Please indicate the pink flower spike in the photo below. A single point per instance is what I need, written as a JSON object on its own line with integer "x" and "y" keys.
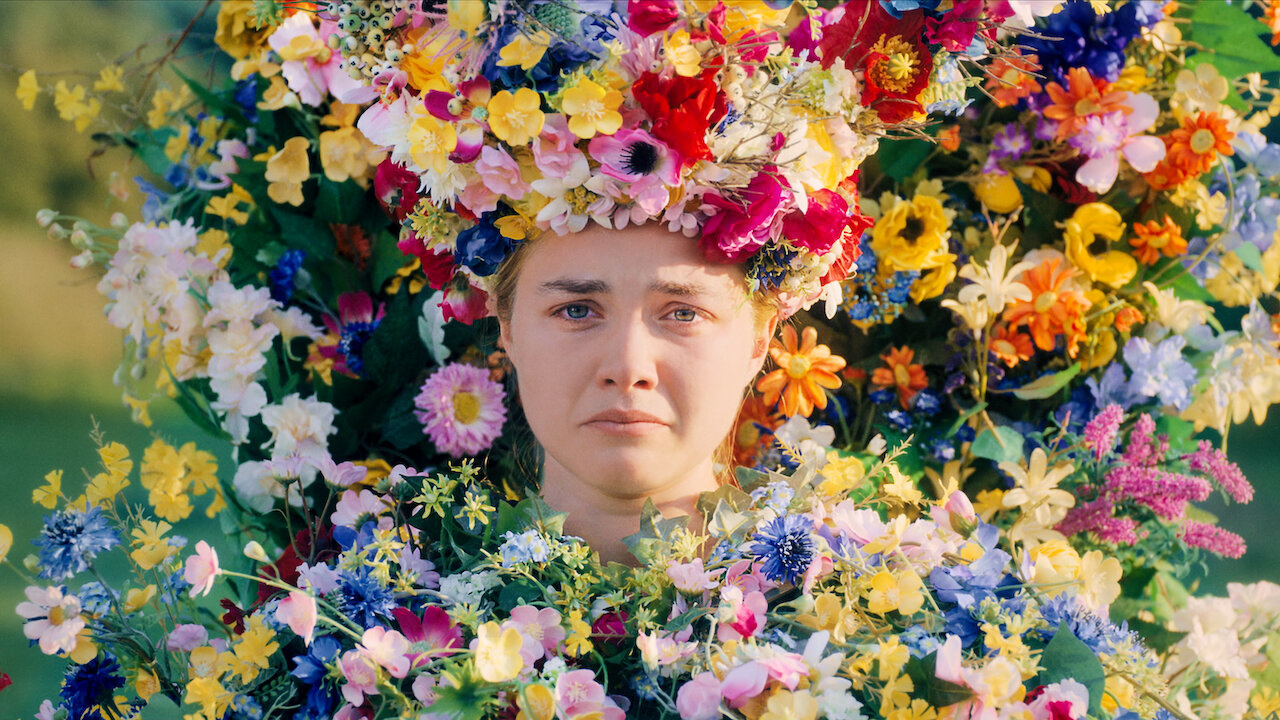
{"x": 202, "y": 569}
{"x": 388, "y": 648}
{"x": 298, "y": 611}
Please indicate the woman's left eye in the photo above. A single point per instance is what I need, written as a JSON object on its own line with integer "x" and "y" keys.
{"x": 684, "y": 314}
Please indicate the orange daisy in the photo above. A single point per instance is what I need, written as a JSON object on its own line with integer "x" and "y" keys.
{"x": 1153, "y": 238}
{"x": 804, "y": 369}
{"x": 1194, "y": 146}
{"x": 1011, "y": 78}
{"x": 901, "y": 374}
{"x": 1271, "y": 18}
{"x": 1084, "y": 95}
{"x": 1127, "y": 317}
{"x": 1055, "y": 306}
{"x": 755, "y": 420}
{"x": 1011, "y": 346}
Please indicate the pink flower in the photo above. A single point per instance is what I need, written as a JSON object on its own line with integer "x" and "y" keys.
{"x": 298, "y": 611}
{"x": 699, "y": 699}
{"x": 202, "y": 569}
{"x": 1063, "y": 700}
{"x": 1104, "y": 139}
{"x": 187, "y": 637}
{"x": 743, "y": 683}
{"x": 634, "y": 154}
{"x": 690, "y": 578}
{"x": 739, "y": 228}
{"x": 388, "y": 648}
{"x": 786, "y": 668}
{"x": 740, "y": 616}
{"x": 821, "y": 225}
{"x": 361, "y": 674}
{"x": 464, "y": 302}
{"x": 555, "y": 151}
{"x": 396, "y": 188}
{"x": 955, "y": 30}
{"x": 540, "y": 629}
{"x": 53, "y": 619}
{"x": 957, "y": 514}
{"x": 354, "y": 326}
{"x": 577, "y": 692}
{"x": 461, "y": 409}
{"x": 1213, "y": 462}
{"x": 353, "y": 508}
{"x": 1100, "y": 433}
{"x": 500, "y": 173}
{"x": 647, "y": 17}
{"x": 310, "y": 66}
{"x": 1213, "y": 538}
{"x": 430, "y": 634}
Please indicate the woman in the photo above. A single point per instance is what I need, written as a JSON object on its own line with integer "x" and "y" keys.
{"x": 632, "y": 355}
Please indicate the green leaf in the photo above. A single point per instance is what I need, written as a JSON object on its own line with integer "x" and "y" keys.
{"x": 937, "y": 692}
{"x": 955, "y": 426}
{"x": 339, "y": 202}
{"x": 685, "y": 619}
{"x": 1250, "y": 256}
{"x": 900, "y": 158}
{"x": 1003, "y": 445}
{"x": 387, "y": 258}
{"x": 1231, "y": 40}
{"x": 538, "y": 514}
{"x": 1187, "y": 287}
{"x": 1067, "y": 657}
{"x": 304, "y": 233}
{"x": 520, "y": 591}
{"x": 1047, "y": 386}
{"x": 656, "y": 531}
{"x": 401, "y": 428}
{"x": 217, "y": 104}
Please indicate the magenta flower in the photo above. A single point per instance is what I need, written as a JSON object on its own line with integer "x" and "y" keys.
{"x": 461, "y": 409}
{"x": 1100, "y": 434}
{"x": 740, "y": 228}
{"x": 631, "y": 155}
{"x": 822, "y": 224}
{"x": 430, "y": 634}
{"x": 1213, "y": 538}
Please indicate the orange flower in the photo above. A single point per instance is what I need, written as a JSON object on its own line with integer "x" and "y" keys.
{"x": 1271, "y": 18}
{"x": 900, "y": 374}
{"x": 1198, "y": 140}
{"x": 1055, "y": 306}
{"x": 1127, "y": 317}
{"x": 1156, "y": 237}
{"x": 1084, "y": 96}
{"x": 755, "y": 420}
{"x": 1011, "y": 78}
{"x": 949, "y": 138}
{"x": 804, "y": 368}
{"x": 1011, "y": 346}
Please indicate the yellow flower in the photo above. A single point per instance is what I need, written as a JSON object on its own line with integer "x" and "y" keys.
{"x": 109, "y": 79}
{"x": 345, "y": 152}
{"x": 85, "y": 649}
{"x": 238, "y": 34}
{"x": 536, "y": 702}
{"x": 165, "y": 101}
{"x": 1089, "y": 233}
{"x": 498, "y": 652}
{"x": 891, "y": 655}
{"x": 210, "y": 695}
{"x": 917, "y": 710}
{"x": 6, "y": 541}
{"x": 912, "y": 235}
{"x": 592, "y": 109}
{"x": 1054, "y": 565}
{"x": 831, "y": 614}
{"x": 431, "y": 141}
{"x": 67, "y": 101}
{"x": 47, "y": 495}
{"x": 1266, "y": 701}
{"x": 933, "y": 282}
{"x": 150, "y": 546}
{"x": 788, "y": 705}
{"x": 516, "y": 118}
{"x": 228, "y": 206}
{"x": 287, "y": 170}
{"x": 524, "y": 50}
{"x": 684, "y": 57}
{"x": 115, "y": 458}
{"x": 254, "y": 650}
{"x": 895, "y": 592}
{"x": 173, "y": 506}
{"x": 205, "y": 662}
{"x": 1036, "y": 489}
{"x": 28, "y": 89}
{"x": 840, "y": 475}
{"x": 214, "y": 241}
{"x": 146, "y": 684}
{"x": 278, "y": 96}
{"x": 104, "y": 487}
{"x": 895, "y": 694}
{"x": 136, "y": 598}
{"x": 138, "y": 407}
{"x": 903, "y": 489}
{"x": 579, "y": 640}
{"x": 998, "y": 192}
{"x": 1099, "y": 579}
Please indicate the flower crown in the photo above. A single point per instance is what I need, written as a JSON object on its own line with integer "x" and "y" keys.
{"x": 732, "y": 123}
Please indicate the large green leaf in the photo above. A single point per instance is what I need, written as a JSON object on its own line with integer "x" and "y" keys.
{"x": 1230, "y": 40}
{"x": 1067, "y": 657}
{"x": 1046, "y": 386}
{"x": 900, "y": 158}
{"x": 1003, "y": 445}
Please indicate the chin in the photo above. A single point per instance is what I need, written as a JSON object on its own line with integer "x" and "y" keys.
{"x": 631, "y": 471}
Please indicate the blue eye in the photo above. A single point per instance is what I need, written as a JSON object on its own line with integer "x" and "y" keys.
{"x": 576, "y": 312}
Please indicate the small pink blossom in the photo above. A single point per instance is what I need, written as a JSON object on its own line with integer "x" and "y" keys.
{"x": 430, "y": 634}
{"x": 691, "y": 578}
{"x": 699, "y": 699}
{"x": 202, "y": 569}
{"x": 540, "y": 628}
{"x": 500, "y": 173}
{"x": 786, "y": 668}
{"x": 578, "y": 693}
{"x": 361, "y": 674}
{"x": 354, "y": 507}
{"x": 298, "y": 611}
{"x": 388, "y": 648}
{"x": 740, "y": 616}
{"x": 53, "y": 619}
{"x": 187, "y": 637}
{"x": 743, "y": 683}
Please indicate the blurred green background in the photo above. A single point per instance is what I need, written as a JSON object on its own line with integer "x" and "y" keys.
{"x": 57, "y": 352}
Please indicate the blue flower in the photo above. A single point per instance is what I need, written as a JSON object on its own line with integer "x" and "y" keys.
{"x": 363, "y": 599}
{"x": 1075, "y": 36}
{"x": 528, "y": 546}
{"x": 776, "y": 496}
{"x": 95, "y": 598}
{"x": 481, "y": 248}
{"x": 897, "y": 7}
{"x": 246, "y": 96}
{"x": 968, "y": 585}
{"x": 919, "y": 642}
{"x": 71, "y": 539}
{"x": 89, "y": 685}
{"x": 282, "y": 275}
{"x": 1113, "y": 388}
{"x": 899, "y": 419}
{"x": 1160, "y": 371}
{"x": 311, "y": 666}
{"x": 153, "y": 208}
{"x": 927, "y": 401}
{"x": 645, "y": 686}
{"x": 785, "y": 544}
{"x": 883, "y": 396}
{"x": 244, "y": 707}
{"x": 1096, "y": 631}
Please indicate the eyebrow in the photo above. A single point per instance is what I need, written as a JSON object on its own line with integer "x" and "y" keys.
{"x": 583, "y": 286}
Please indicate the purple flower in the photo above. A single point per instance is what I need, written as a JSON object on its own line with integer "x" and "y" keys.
{"x": 1213, "y": 462}
{"x": 1112, "y": 388}
{"x": 1160, "y": 371}
{"x": 785, "y": 544}
{"x": 1100, "y": 434}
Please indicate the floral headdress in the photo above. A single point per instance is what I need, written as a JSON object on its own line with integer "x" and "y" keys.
{"x": 737, "y": 123}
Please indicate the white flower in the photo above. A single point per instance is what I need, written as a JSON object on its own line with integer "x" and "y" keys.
{"x": 467, "y": 588}
{"x": 299, "y": 427}
{"x": 808, "y": 443}
{"x": 570, "y": 200}
{"x": 993, "y": 282}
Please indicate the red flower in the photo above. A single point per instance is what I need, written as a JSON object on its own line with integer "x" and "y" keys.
{"x": 682, "y": 110}
{"x": 610, "y": 627}
{"x": 438, "y": 267}
{"x": 819, "y": 227}
{"x": 890, "y": 51}
{"x": 5, "y": 680}
{"x": 396, "y": 188}
{"x": 233, "y": 617}
{"x": 647, "y": 17}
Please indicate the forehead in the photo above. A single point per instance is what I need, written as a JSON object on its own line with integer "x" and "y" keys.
{"x": 647, "y": 258}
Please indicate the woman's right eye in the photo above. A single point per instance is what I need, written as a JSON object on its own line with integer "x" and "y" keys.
{"x": 575, "y": 311}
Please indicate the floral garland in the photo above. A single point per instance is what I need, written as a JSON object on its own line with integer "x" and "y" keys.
{"x": 275, "y": 292}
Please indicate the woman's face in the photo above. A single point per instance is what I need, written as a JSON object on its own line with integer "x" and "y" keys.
{"x": 632, "y": 354}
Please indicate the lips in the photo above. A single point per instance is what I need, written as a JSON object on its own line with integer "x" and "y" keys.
{"x": 616, "y": 421}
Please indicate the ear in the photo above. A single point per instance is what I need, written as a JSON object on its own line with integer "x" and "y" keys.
{"x": 760, "y": 348}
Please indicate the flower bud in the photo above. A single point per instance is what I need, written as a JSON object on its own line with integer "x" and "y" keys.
{"x": 57, "y": 232}
{"x": 80, "y": 239}
{"x": 119, "y": 221}
{"x": 46, "y": 217}
{"x": 254, "y": 551}
{"x": 82, "y": 260}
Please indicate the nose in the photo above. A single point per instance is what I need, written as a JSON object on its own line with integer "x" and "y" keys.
{"x": 629, "y": 356}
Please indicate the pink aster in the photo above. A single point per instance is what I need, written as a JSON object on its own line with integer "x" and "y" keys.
{"x": 52, "y": 619}
{"x": 461, "y": 409}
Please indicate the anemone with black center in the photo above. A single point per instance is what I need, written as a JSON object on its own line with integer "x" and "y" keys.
{"x": 640, "y": 158}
